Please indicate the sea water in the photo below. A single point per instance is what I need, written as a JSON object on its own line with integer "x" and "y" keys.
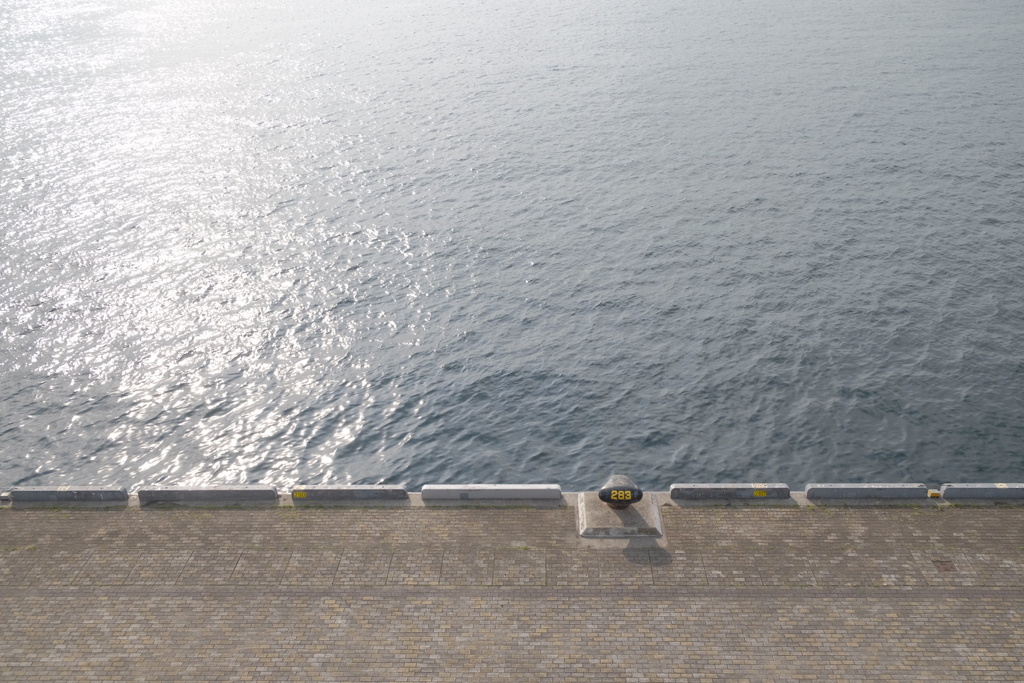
{"x": 442, "y": 241}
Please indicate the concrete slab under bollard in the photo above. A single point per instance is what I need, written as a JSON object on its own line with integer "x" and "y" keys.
{"x": 598, "y": 520}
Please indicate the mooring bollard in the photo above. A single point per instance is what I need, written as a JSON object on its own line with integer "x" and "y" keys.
{"x": 620, "y": 492}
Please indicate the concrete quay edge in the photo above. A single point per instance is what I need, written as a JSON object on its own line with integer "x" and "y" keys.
{"x": 492, "y": 495}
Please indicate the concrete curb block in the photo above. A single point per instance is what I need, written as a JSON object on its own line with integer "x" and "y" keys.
{"x": 982, "y": 491}
{"x": 729, "y": 491}
{"x": 58, "y": 495}
{"x": 865, "y": 491}
{"x": 492, "y": 492}
{"x": 214, "y": 495}
{"x": 324, "y": 495}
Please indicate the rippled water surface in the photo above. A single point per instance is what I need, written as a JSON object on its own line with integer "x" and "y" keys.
{"x": 540, "y": 241}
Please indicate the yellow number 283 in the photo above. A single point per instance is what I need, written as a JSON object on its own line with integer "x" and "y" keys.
{"x": 622, "y": 495}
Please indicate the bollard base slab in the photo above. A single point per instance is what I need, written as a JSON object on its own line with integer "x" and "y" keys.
{"x": 598, "y": 520}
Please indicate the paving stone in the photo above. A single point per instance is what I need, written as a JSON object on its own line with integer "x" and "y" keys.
{"x": 260, "y": 567}
{"x": 393, "y": 595}
{"x": 624, "y": 568}
{"x": 998, "y": 567}
{"x": 941, "y": 567}
{"x": 415, "y": 566}
{"x": 731, "y": 566}
{"x": 367, "y": 567}
{"x": 575, "y": 568}
{"x": 868, "y": 565}
{"x": 519, "y": 567}
{"x": 209, "y": 567}
{"x": 784, "y": 569}
{"x": 107, "y": 568}
{"x": 678, "y": 568}
{"x": 311, "y": 568}
{"x": 158, "y": 567}
{"x": 59, "y": 568}
{"x": 17, "y": 564}
{"x": 467, "y": 567}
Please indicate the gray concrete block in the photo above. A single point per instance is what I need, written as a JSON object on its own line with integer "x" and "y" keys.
{"x": 597, "y": 519}
{"x": 729, "y": 491}
{"x": 213, "y": 495}
{"x": 323, "y": 495}
{"x": 981, "y": 491}
{"x": 492, "y": 492}
{"x": 68, "y": 494}
{"x": 865, "y": 491}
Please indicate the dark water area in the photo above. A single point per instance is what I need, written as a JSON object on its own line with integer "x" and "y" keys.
{"x": 447, "y": 242}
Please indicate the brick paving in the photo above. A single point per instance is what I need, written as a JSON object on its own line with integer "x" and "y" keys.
{"x": 493, "y": 594}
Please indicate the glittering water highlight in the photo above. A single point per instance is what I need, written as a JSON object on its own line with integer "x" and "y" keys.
{"x": 442, "y": 242}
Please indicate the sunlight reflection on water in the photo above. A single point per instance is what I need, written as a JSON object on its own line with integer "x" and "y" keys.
{"x": 427, "y": 243}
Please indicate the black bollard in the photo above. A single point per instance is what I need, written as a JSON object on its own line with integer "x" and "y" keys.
{"x": 620, "y": 492}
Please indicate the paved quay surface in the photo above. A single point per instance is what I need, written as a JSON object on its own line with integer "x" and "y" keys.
{"x": 491, "y": 594}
